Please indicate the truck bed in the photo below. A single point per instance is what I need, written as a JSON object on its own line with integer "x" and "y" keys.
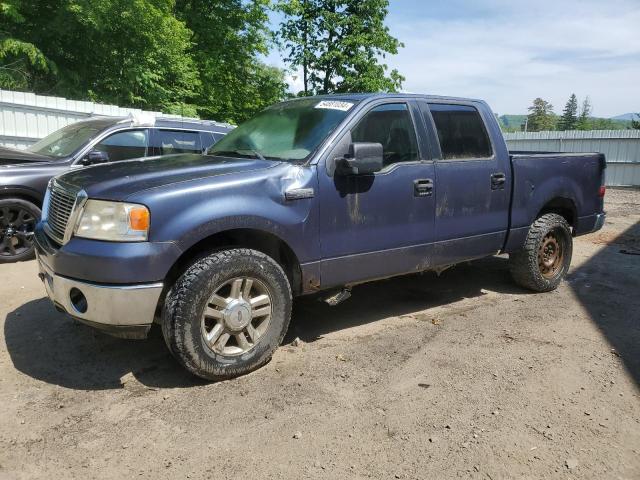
{"x": 573, "y": 180}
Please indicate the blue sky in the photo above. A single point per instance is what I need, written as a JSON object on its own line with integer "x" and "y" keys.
{"x": 509, "y": 52}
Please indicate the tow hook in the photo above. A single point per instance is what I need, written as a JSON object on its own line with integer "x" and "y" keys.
{"x": 338, "y": 297}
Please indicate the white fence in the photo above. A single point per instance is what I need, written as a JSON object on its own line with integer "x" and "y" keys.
{"x": 621, "y": 149}
{"x": 26, "y": 117}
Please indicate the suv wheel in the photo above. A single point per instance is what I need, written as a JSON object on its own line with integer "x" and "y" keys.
{"x": 18, "y": 220}
{"x": 227, "y": 314}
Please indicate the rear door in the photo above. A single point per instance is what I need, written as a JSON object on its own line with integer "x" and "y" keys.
{"x": 472, "y": 190}
{"x": 378, "y": 225}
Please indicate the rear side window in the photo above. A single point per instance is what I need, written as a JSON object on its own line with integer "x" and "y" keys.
{"x": 461, "y": 132}
{"x": 167, "y": 142}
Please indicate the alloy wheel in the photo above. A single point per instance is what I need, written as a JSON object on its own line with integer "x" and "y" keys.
{"x": 236, "y": 315}
{"x": 17, "y": 227}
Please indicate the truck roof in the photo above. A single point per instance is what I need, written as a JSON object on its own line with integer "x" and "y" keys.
{"x": 357, "y": 97}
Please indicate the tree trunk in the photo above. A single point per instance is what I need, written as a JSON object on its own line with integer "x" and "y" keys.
{"x": 327, "y": 71}
{"x": 305, "y": 47}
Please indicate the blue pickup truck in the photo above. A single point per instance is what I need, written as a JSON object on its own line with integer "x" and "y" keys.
{"x": 313, "y": 194}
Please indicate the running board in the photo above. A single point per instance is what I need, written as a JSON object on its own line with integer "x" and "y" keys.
{"x": 338, "y": 297}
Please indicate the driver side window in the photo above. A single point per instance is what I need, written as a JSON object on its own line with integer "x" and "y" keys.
{"x": 391, "y": 126}
{"x": 124, "y": 145}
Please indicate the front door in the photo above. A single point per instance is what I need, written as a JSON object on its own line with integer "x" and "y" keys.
{"x": 372, "y": 226}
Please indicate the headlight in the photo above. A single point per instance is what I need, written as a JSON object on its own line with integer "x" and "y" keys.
{"x": 113, "y": 221}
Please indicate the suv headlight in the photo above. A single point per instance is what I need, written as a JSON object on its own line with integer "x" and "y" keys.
{"x": 113, "y": 221}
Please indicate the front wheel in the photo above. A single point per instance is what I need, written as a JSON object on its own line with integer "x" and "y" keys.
{"x": 544, "y": 259}
{"x": 18, "y": 220}
{"x": 227, "y": 314}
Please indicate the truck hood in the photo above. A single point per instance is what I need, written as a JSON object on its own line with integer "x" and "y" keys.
{"x": 12, "y": 156}
{"x": 117, "y": 181}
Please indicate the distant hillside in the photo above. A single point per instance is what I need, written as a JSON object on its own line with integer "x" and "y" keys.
{"x": 626, "y": 116}
{"x": 514, "y": 123}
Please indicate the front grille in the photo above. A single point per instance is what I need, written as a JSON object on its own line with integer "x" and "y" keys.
{"x": 61, "y": 202}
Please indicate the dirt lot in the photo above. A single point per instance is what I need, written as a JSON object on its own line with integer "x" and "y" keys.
{"x": 418, "y": 377}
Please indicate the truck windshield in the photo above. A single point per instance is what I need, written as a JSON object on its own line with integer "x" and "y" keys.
{"x": 289, "y": 131}
{"x": 64, "y": 142}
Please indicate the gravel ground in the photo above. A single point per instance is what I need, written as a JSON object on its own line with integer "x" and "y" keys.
{"x": 417, "y": 377}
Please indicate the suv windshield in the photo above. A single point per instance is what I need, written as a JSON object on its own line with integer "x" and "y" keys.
{"x": 289, "y": 131}
{"x": 64, "y": 142}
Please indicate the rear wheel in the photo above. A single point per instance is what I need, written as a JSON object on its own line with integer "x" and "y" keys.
{"x": 227, "y": 314}
{"x": 18, "y": 220}
{"x": 543, "y": 261}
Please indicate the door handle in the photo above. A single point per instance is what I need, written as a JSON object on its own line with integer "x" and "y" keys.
{"x": 498, "y": 180}
{"x": 423, "y": 187}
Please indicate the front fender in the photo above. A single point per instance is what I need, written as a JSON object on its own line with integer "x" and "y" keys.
{"x": 189, "y": 213}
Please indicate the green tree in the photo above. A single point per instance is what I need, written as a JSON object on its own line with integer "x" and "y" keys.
{"x": 635, "y": 124}
{"x": 228, "y": 36}
{"x": 569, "y": 117}
{"x": 339, "y": 44}
{"x": 142, "y": 56}
{"x": 541, "y": 116}
{"x": 298, "y": 35}
{"x": 584, "y": 120}
{"x": 128, "y": 52}
{"x": 192, "y": 57}
{"x": 21, "y": 62}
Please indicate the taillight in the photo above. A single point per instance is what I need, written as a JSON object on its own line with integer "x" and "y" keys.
{"x": 602, "y": 191}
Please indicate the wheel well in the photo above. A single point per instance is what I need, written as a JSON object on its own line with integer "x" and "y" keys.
{"x": 21, "y": 196}
{"x": 262, "y": 241}
{"x": 563, "y": 207}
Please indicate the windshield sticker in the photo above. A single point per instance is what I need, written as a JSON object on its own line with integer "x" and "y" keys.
{"x": 335, "y": 105}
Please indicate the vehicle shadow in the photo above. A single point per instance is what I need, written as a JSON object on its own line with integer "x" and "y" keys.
{"x": 49, "y": 346}
{"x": 397, "y": 296}
{"x": 608, "y": 287}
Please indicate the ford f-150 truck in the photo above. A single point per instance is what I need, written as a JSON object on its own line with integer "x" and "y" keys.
{"x": 313, "y": 194}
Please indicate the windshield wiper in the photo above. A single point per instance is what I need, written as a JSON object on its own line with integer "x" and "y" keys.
{"x": 240, "y": 151}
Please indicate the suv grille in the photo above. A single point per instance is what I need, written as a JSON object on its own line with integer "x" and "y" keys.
{"x": 61, "y": 202}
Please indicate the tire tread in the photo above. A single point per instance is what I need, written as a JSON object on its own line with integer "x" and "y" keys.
{"x": 523, "y": 264}
{"x": 186, "y": 288}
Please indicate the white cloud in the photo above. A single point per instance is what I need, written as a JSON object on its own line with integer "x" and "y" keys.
{"x": 508, "y": 52}
{"x": 515, "y": 51}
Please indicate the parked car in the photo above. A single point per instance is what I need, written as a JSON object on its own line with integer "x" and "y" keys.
{"x": 24, "y": 174}
{"x": 314, "y": 194}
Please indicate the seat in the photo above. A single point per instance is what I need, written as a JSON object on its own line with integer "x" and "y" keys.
{"x": 397, "y": 145}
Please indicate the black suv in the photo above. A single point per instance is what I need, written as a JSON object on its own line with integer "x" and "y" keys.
{"x": 24, "y": 174}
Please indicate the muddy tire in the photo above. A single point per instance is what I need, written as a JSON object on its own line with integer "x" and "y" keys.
{"x": 227, "y": 313}
{"x": 18, "y": 220}
{"x": 543, "y": 261}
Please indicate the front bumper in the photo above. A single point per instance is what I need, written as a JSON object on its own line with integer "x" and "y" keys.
{"x": 121, "y": 310}
{"x": 110, "y": 263}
